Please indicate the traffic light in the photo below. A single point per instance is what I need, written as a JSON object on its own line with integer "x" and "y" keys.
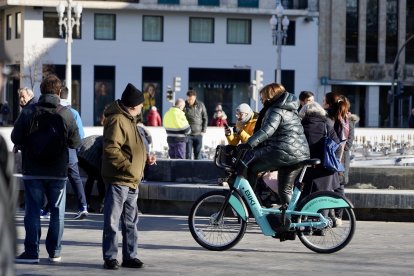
{"x": 177, "y": 84}
{"x": 170, "y": 94}
{"x": 259, "y": 79}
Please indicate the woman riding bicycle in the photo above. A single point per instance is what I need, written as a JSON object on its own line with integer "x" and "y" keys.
{"x": 278, "y": 142}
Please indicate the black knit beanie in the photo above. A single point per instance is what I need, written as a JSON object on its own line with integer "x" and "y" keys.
{"x": 132, "y": 96}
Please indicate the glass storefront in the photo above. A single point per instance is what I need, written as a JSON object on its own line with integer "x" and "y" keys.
{"x": 227, "y": 87}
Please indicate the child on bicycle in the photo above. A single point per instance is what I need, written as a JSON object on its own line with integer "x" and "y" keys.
{"x": 278, "y": 141}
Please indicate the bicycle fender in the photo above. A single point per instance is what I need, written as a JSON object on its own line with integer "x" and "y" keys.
{"x": 238, "y": 205}
{"x": 325, "y": 200}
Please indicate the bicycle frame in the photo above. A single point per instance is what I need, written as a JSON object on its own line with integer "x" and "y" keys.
{"x": 242, "y": 187}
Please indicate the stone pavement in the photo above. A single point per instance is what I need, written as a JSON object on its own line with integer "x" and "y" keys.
{"x": 167, "y": 248}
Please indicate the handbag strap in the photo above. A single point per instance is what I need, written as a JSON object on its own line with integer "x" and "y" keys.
{"x": 326, "y": 131}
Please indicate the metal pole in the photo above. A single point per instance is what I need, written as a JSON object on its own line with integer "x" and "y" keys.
{"x": 394, "y": 77}
{"x": 279, "y": 37}
{"x": 69, "y": 51}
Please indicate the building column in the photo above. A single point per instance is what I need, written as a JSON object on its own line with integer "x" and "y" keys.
{"x": 372, "y": 104}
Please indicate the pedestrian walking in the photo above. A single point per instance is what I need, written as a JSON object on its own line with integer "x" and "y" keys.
{"x": 44, "y": 131}
{"x": 73, "y": 169}
{"x": 123, "y": 160}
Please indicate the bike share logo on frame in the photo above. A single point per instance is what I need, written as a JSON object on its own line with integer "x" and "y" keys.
{"x": 319, "y": 200}
{"x": 249, "y": 197}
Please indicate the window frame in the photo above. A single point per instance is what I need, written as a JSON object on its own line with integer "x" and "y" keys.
{"x": 51, "y": 23}
{"x": 95, "y": 33}
{"x": 193, "y": 18}
{"x": 161, "y": 34}
{"x": 249, "y": 38}
{"x": 18, "y": 25}
{"x": 9, "y": 24}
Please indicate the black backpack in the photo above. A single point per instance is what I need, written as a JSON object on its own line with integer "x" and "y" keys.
{"x": 47, "y": 139}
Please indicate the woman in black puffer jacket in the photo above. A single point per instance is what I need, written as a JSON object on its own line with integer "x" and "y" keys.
{"x": 278, "y": 142}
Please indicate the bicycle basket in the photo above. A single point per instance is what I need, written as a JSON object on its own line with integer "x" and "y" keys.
{"x": 224, "y": 156}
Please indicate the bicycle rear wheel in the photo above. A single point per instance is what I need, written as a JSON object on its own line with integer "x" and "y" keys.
{"x": 335, "y": 236}
{"x": 209, "y": 230}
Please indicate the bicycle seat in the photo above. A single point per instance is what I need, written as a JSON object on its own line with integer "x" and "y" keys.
{"x": 311, "y": 162}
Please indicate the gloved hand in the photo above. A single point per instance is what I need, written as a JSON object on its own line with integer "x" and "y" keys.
{"x": 227, "y": 131}
{"x": 244, "y": 146}
{"x": 236, "y": 130}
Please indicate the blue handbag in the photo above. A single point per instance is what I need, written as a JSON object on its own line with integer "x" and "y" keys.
{"x": 330, "y": 160}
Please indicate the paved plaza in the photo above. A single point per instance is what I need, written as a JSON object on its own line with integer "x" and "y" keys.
{"x": 167, "y": 248}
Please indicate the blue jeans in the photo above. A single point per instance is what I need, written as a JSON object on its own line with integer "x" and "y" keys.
{"x": 120, "y": 206}
{"x": 55, "y": 191}
{"x": 77, "y": 184}
{"x": 194, "y": 143}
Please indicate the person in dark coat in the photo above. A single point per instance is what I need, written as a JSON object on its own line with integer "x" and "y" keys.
{"x": 196, "y": 114}
{"x": 278, "y": 141}
{"x": 44, "y": 178}
{"x": 316, "y": 126}
{"x": 90, "y": 159}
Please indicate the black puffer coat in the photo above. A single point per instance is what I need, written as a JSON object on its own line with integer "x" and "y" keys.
{"x": 315, "y": 125}
{"x": 280, "y": 141}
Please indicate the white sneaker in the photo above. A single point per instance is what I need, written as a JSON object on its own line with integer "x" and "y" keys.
{"x": 338, "y": 222}
{"x": 81, "y": 215}
{"x": 55, "y": 259}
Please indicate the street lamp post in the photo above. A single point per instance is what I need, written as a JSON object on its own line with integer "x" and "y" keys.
{"x": 68, "y": 22}
{"x": 279, "y": 25}
{"x": 392, "y": 92}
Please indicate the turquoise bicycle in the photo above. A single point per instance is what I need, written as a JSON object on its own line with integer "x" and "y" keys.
{"x": 218, "y": 219}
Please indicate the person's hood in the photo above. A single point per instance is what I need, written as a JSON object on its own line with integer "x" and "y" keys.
{"x": 286, "y": 101}
{"x": 64, "y": 102}
{"x": 50, "y": 99}
{"x": 353, "y": 117}
{"x": 117, "y": 107}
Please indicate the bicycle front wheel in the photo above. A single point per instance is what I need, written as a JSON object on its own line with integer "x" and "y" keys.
{"x": 211, "y": 230}
{"x": 336, "y": 235}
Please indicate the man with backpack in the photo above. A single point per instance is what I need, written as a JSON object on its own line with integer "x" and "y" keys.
{"x": 44, "y": 131}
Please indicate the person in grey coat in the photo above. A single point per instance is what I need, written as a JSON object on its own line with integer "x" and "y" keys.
{"x": 196, "y": 114}
{"x": 278, "y": 141}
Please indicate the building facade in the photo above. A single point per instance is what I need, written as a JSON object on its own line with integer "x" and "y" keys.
{"x": 366, "y": 51}
{"x": 215, "y": 46}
